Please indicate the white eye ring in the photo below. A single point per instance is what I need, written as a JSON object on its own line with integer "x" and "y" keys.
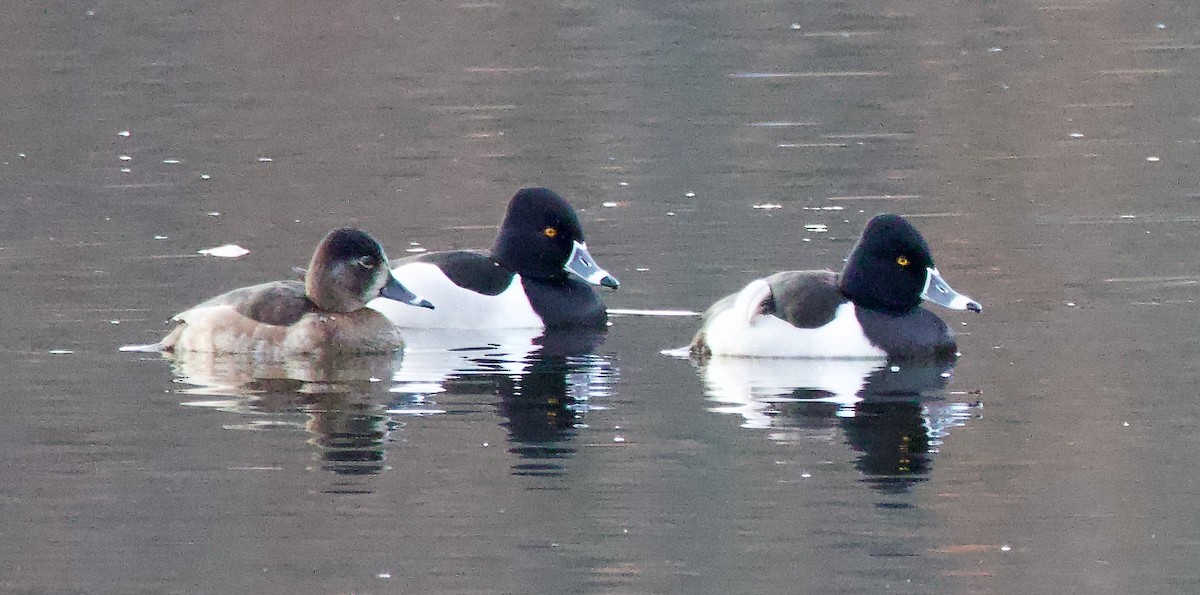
{"x": 365, "y": 262}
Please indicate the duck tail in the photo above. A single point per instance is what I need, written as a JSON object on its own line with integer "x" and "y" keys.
{"x": 750, "y": 300}
{"x": 166, "y": 345}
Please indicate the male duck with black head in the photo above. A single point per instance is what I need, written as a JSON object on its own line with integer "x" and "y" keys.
{"x": 539, "y": 274}
{"x": 325, "y": 313}
{"x": 872, "y": 309}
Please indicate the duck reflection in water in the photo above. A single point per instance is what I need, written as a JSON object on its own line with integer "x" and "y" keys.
{"x": 338, "y": 398}
{"x": 545, "y": 382}
{"x": 892, "y": 413}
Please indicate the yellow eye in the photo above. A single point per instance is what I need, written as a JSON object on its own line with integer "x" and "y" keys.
{"x": 902, "y": 261}
{"x": 550, "y": 232}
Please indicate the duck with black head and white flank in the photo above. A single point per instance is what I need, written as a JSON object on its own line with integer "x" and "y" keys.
{"x": 539, "y": 274}
{"x": 872, "y": 309}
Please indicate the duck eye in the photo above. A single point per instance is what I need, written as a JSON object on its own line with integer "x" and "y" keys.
{"x": 550, "y": 232}
{"x": 902, "y": 261}
{"x": 366, "y": 262}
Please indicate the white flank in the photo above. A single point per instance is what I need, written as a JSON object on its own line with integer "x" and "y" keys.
{"x": 454, "y": 306}
{"x": 728, "y": 333}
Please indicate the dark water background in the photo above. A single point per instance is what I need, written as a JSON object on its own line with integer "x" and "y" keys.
{"x": 1045, "y": 148}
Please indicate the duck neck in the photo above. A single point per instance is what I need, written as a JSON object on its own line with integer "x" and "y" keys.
{"x": 869, "y": 292}
{"x": 324, "y": 289}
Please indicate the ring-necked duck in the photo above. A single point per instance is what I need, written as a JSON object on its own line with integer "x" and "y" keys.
{"x": 325, "y": 312}
{"x": 539, "y": 274}
{"x": 872, "y": 309}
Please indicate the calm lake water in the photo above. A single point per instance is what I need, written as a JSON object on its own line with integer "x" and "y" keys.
{"x": 1045, "y": 149}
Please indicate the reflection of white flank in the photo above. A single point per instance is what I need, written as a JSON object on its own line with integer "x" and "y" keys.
{"x": 434, "y": 357}
{"x": 748, "y": 386}
{"x": 431, "y": 356}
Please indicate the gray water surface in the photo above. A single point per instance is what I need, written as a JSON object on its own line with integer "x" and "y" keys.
{"x": 1045, "y": 149}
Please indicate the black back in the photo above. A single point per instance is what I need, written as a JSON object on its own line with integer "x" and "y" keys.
{"x": 469, "y": 270}
{"x": 886, "y": 270}
{"x": 537, "y": 234}
{"x": 805, "y": 299}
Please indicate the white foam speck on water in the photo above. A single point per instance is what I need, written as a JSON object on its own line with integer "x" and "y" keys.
{"x": 816, "y": 227}
{"x": 171, "y": 161}
{"x": 418, "y": 387}
{"x": 1160, "y": 26}
{"x": 609, "y": 205}
{"x": 214, "y": 213}
{"x": 265, "y": 160}
{"x": 125, "y": 158}
{"x": 1153, "y": 159}
{"x": 126, "y": 170}
{"x": 148, "y": 348}
{"x": 689, "y": 194}
{"x": 1076, "y": 135}
{"x": 684, "y": 352}
{"x": 225, "y": 251}
{"x": 124, "y": 133}
{"x": 622, "y": 183}
{"x": 637, "y": 312}
{"x": 60, "y": 351}
{"x": 641, "y": 269}
{"x": 767, "y": 206}
{"x": 205, "y": 177}
{"x": 160, "y": 237}
{"x": 415, "y": 412}
{"x": 416, "y": 250}
{"x": 780, "y": 124}
{"x": 1005, "y": 548}
{"x": 895, "y": 368}
{"x": 832, "y": 208}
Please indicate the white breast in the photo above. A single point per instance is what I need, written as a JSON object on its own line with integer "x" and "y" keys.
{"x": 455, "y": 307}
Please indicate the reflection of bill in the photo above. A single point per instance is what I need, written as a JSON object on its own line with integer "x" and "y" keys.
{"x": 890, "y": 413}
